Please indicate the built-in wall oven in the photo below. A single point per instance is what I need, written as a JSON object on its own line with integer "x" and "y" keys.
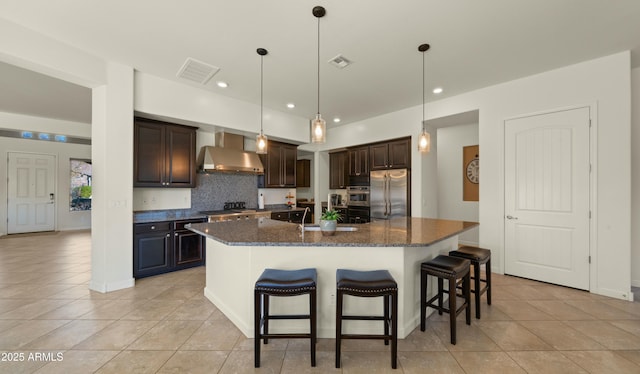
{"x": 358, "y": 196}
{"x": 358, "y": 204}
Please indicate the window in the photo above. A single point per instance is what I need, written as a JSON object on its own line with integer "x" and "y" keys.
{"x": 80, "y": 194}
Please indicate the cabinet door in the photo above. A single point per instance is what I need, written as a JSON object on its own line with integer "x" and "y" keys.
{"x": 180, "y": 157}
{"x": 280, "y": 216}
{"x": 289, "y": 157}
{"x": 363, "y": 161}
{"x": 303, "y": 173}
{"x": 399, "y": 154}
{"x": 148, "y": 150}
{"x": 272, "y": 172}
{"x": 338, "y": 170}
{"x": 379, "y": 156}
{"x": 152, "y": 249}
{"x": 188, "y": 249}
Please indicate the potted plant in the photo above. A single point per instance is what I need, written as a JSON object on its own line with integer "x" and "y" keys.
{"x": 329, "y": 222}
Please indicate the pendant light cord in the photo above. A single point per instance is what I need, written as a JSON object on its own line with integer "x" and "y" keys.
{"x": 318, "y": 65}
{"x": 423, "y": 90}
{"x": 261, "y": 91}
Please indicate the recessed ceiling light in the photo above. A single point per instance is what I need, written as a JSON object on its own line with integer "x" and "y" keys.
{"x": 437, "y": 90}
{"x": 291, "y": 105}
{"x": 336, "y": 120}
{"x": 222, "y": 84}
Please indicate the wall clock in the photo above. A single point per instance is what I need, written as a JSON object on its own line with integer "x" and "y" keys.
{"x": 473, "y": 170}
{"x": 471, "y": 173}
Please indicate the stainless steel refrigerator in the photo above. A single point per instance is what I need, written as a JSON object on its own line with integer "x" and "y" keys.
{"x": 388, "y": 194}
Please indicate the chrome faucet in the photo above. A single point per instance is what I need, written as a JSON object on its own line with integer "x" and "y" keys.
{"x": 304, "y": 215}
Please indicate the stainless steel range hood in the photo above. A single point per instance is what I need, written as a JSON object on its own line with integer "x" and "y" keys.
{"x": 229, "y": 156}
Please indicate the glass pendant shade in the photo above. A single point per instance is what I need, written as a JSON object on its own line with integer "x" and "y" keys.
{"x": 318, "y": 130}
{"x": 424, "y": 141}
{"x": 261, "y": 143}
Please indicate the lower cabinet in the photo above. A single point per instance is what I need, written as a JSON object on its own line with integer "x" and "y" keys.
{"x": 358, "y": 215}
{"x": 161, "y": 247}
{"x": 294, "y": 216}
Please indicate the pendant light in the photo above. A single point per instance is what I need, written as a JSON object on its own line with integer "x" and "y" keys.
{"x": 261, "y": 139}
{"x": 318, "y": 125}
{"x": 424, "y": 141}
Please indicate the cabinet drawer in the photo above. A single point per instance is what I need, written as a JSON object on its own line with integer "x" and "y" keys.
{"x": 280, "y": 216}
{"x": 179, "y": 225}
{"x": 142, "y": 228}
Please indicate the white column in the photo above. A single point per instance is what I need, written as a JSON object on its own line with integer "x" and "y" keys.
{"x": 112, "y": 157}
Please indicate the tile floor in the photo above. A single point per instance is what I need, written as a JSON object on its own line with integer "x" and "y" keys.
{"x": 50, "y": 322}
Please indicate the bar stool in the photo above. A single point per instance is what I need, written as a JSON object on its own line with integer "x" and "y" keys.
{"x": 455, "y": 270}
{"x": 369, "y": 284}
{"x": 274, "y": 282}
{"x": 477, "y": 256}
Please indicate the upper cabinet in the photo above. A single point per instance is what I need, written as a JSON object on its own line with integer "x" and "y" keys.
{"x": 303, "y": 173}
{"x": 279, "y": 165}
{"x": 338, "y": 170}
{"x": 359, "y": 161}
{"x": 164, "y": 154}
{"x": 395, "y": 154}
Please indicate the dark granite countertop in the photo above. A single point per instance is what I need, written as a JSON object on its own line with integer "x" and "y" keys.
{"x": 397, "y": 232}
{"x": 165, "y": 215}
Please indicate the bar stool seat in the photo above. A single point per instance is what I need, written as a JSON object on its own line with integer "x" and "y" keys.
{"x": 275, "y": 282}
{"x": 373, "y": 283}
{"x": 477, "y": 256}
{"x": 455, "y": 270}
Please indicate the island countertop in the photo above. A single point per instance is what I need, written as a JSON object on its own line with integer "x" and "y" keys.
{"x": 396, "y": 232}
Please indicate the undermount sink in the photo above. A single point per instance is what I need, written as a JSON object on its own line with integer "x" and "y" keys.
{"x": 339, "y": 228}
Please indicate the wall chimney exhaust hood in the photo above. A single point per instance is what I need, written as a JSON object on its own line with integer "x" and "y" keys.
{"x": 229, "y": 156}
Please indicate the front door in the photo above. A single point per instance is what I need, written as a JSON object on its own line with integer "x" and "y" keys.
{"x": 31, "y": 192}
{"x": 547, "y": 197}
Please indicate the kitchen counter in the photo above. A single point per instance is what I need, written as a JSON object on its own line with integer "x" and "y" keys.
{"x": 397, "y": 232}
{"x": 240, "y": 251}
{"x": 165, "y": 215}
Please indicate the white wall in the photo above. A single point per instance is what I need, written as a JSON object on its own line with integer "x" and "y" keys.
{"x": 451, "y": 140}
{"x": 65, "y": 219}
{"x": 635, "y": 175}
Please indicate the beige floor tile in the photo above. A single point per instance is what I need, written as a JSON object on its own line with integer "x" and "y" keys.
{"x": 243, "y": 362}
{"x": 166, "y": 335}
{"x": 139, "y": 362}
{"x": 19, "y": 336}
{"x": 117, "y": 336}
{"x": 34, "y": 309}
{"x": 626, "y": 306}
{"x": 603, "y": 362}
{"x": 153, "y": 310}
{"x": 523, "y": 311}
{"x": 73, "y": 309}
{"x": 366, "y": 362}
{"x": 195, "y": 362}
{"x": 196, "y": 310}
{"x": 246, "y": 344}
{"x": 214, "y": 335}
{"x": 602, "y": 310}
{"x": 632, "y": 326}
{"x": 545, "y": 362}
{"x": 487, "y": 362}
{"x": 78, "y": 362}
{"x": 112, "y": 309}
{"x": 561, "y": 336}
{"x": 422, "y": 341}
{"x": 633, "y": 356}
{"x": 69, "y": 335}
{"x": 607, "y": 334}
{"x": 178, "y": 293}
{"x": 428, "y": 362}
{"x": 20, "y": 364}
{"x": 298, "y": 362}
{"x": 512, "y": 336}
{"x": 561, "y": 310}
{"x": 469, "y": 338}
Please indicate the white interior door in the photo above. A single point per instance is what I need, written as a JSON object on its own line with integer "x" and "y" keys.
{"x": 547, "y": 197}
{"x": 31, "y": 192}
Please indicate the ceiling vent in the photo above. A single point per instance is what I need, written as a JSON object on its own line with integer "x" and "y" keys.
{"x": 197, "y": 71}
{"x": 340, "y": 62}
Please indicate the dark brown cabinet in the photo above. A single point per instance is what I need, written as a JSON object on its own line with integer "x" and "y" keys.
{"x": 338, "y": 170}
{"x": 161, "y": 247}
{"x": 303, "y": 173}
{"x": 359, "y": 161}
{"x": 294, "y": 216}
{"x": 395, "y": 154}
{"x": 164, "y": 154}
{"x": 279, "y": 166}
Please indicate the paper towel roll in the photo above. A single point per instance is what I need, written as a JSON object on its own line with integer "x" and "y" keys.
{"x": 260, "y": 202}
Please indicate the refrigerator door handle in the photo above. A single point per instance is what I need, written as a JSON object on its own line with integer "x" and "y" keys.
{"x": 387, "y": 197}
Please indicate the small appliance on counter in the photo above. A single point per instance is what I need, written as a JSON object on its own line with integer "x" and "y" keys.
{"x": 336, "y": 199}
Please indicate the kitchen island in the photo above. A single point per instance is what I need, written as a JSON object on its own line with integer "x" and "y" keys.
{"x": 238, "y": 252}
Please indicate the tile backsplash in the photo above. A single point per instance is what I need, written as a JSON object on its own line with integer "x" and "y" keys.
{"x": 214, "y": 189}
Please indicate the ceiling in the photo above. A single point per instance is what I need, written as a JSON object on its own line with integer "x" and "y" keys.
{"x": 474, "y": 44}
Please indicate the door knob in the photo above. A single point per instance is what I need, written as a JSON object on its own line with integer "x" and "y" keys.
{"x": 511, "y": 217}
